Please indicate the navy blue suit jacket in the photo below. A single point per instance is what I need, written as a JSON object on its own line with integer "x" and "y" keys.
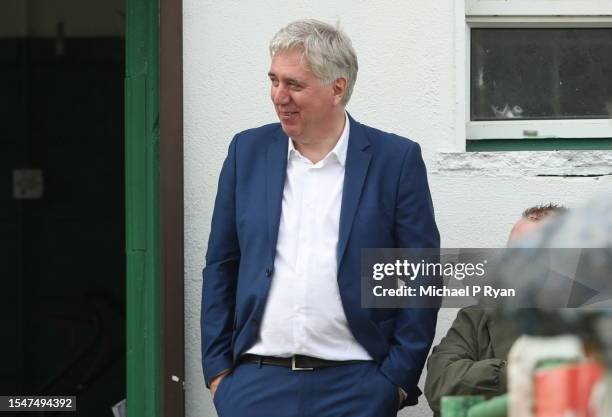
{"x": 385, "y": 203}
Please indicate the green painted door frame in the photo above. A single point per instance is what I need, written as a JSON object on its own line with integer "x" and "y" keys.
{"x": 142, "y": 207}
{"x": 154, "y": 208}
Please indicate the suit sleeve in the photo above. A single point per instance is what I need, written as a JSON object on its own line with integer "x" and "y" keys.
{"x": 453, "y": 367}
{"x": 220, "y": 275}
{"x": 415, "y": 227}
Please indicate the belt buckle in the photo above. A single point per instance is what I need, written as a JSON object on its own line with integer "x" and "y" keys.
{"x": 295, "y": 368}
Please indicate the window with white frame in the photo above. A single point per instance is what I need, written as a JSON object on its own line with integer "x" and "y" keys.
{"x": 539, "y": 69}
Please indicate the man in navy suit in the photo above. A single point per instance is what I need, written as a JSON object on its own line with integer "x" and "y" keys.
{"x": 283, "y": 331}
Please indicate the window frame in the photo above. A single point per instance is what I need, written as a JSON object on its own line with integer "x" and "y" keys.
{"x": 524, "y": 14}
{"x": 541, "y": 8}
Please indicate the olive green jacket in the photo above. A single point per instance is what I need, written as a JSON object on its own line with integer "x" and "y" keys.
{"x": 471, "y": 358}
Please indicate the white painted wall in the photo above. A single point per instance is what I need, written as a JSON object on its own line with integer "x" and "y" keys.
{"x": 410, "y": 82}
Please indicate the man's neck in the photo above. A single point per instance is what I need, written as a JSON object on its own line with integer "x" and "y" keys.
{"x": 315, "y": 149}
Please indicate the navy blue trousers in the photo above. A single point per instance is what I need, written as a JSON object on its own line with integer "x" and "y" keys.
{"x": 357, "y": 390}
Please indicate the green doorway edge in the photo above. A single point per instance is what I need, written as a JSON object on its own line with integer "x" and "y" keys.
{"x": 142, "y": 207}
{"x": 154, "y": 208}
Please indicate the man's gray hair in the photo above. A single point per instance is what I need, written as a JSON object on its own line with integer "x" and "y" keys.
{"x": 327, "y": 49}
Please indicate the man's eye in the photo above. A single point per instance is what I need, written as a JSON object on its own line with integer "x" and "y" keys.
{"x": 274, "y": 82}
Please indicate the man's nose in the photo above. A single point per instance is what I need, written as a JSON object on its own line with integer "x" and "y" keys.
{"x": 280, "y": 95}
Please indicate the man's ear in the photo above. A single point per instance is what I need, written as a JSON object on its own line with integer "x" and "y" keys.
{"x": 339, "y": 89}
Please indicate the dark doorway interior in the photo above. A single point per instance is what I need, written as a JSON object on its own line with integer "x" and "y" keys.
{"x": 62, "y": 234}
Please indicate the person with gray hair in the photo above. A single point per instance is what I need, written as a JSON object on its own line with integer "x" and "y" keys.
{"x": 283, "y": 330}
{"x": 328, "y": 51}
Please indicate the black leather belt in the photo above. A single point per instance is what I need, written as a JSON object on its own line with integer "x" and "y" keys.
{"x": 295, "y": 363}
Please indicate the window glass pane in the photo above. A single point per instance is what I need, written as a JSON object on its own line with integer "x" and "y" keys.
{"x": 541, "y": 74}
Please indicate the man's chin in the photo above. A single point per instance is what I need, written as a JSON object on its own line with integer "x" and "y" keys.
{"x": 290, "y": 130}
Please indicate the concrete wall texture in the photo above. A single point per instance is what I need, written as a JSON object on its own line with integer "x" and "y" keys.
{"x": 411, "y": 56}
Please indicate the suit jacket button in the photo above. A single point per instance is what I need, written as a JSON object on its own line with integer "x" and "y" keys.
{"x": 269, "y": 272}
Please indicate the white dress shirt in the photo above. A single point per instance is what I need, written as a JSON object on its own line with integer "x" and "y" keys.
{"x": 304, "y": 313}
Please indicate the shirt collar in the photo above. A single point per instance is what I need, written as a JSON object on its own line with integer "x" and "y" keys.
{"x": 339, "y": 149}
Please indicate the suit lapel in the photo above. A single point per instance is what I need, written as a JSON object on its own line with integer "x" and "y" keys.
{"x": 356, "y": 169}
{"x": 276, "y": 170}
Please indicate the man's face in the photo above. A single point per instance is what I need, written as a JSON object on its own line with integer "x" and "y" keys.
{"x": 305, "y": 107}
